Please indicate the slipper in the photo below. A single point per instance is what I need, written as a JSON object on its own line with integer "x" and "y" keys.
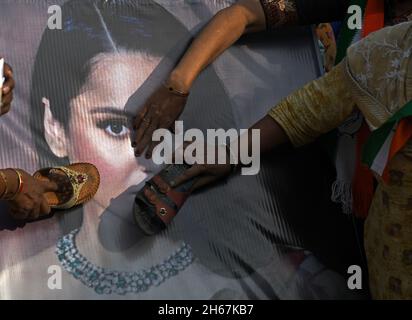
{"x": 157, "y": 204}
{"x": 77, "y": 183}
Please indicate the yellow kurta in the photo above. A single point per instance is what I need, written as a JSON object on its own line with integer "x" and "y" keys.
{"x": 376, "y": 78}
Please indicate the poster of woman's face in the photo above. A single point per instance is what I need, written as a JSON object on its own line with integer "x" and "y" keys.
{"x": 78, "y": 88}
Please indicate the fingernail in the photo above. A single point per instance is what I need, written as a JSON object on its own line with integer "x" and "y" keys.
{"x": 172, "y": 183}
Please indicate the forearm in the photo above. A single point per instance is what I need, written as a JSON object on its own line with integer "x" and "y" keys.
{"x": 300, "y": 118}
{"x": 226, "y": 27}
{"x": 248, "y": 16}
{"x": 251, "y": 146}
{"x": 271, "y": 133}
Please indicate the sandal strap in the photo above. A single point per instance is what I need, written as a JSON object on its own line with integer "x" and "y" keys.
{"x": 77, "y": 180}
{"x": 158, "y": 202}
{"x": 177, "y": 197}
{"x": 162, "y": 210}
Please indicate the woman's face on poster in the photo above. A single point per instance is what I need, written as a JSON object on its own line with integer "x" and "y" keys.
{"x": 98, "y": 130}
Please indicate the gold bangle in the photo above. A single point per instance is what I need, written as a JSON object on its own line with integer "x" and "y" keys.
{"x": 6, "y": 187}
{"x": 20, "y": 187}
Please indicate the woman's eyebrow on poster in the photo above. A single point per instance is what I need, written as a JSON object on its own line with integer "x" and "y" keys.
{"x": 111, "y": 110}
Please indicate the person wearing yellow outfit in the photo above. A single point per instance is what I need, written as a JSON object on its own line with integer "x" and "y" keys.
{"x": 249, "y": 16}
{"x": 376, "y": 79}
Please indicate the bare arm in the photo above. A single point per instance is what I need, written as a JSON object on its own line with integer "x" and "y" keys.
{"x": 165, "y": 106}
{"x": 271, "y": 136}
{"x": 300, "y": 118}
{"x": 247, "y": 16}
{"x": 227, "y": 26}
{"x": 167, "y": 103}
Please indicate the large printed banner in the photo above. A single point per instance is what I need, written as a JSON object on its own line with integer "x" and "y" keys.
{"x": 275, "y": 235}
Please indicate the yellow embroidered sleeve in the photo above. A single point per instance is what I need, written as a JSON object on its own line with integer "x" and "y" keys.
{"x": 315, "y": 109}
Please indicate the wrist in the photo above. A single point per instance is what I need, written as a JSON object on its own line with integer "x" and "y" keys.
{"x": 178, "y": 81}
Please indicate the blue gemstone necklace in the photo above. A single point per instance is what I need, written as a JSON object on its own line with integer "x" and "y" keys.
{"x": 104, "y": 281}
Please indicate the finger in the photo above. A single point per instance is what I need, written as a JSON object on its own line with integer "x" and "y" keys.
{"x": 137, "y": 121}
{"x": 141, "y": 134}
{"x": 147, "y": 138}
{"x": 44, "y": 207}
{"x": 152, "y": 146}
{"x": 35, "y": 212}
{"x": 27, "y": 207}
{"x": 203, "y": 181}
{"x": 8, "y": 86}
{"x": 8, "y": 71}
{"x": 15, "y": 211}
{"x": 5, "y": 109}
{"x": 18, "y": 214}
{"x": 21, "y": 207}
{"x": 48, "y": 186}
{"x": 190, "y": 173}
{"x": 7, "y": 99}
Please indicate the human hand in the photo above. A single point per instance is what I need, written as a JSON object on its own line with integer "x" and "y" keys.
{"x": 204, "y": 173}
{"x": 30, "y": 203}
{"x": 159, "y": 112}
{"x": 7, "y": 90}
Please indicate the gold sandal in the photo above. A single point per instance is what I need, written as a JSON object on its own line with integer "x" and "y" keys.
{"x": 77, "y": 184}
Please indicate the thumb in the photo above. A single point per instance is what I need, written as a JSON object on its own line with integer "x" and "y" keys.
{"x": 49, "y": 186}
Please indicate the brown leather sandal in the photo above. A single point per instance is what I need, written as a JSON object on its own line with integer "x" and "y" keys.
{"x": 78, "y": 184}
{"x": 157, "y": 204}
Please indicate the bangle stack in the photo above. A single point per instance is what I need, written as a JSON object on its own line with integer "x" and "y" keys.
{"x": 21, "y": 184}
{"x": 6, "y": 195}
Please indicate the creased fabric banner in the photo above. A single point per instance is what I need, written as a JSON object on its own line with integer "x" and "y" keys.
{"x": 271, "y": 236}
